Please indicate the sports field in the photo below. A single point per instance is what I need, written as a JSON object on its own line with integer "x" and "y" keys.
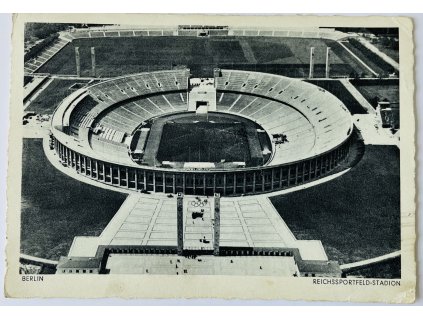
{"x": 47, "y": 101}
{"x": 356, "y": 216}
{"x": 204, "y": 142}
{"x": 56, "y": 208}
{"x": 119, "y": 56}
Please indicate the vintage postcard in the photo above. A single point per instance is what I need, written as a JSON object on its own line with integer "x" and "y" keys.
{"x": 194, "y": 156}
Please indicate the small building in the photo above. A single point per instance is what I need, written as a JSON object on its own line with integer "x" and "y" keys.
{"x": 78, "y": 265}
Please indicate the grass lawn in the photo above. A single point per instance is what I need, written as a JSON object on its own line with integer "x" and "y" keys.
{"x": 56, "y": 208}
{"x": 47, "y": 101}
{"x": 356, "y": 216}
{"x": 204, "y": 142}
{"x": 119, "y": 56}
{"x": 391, "y": 92}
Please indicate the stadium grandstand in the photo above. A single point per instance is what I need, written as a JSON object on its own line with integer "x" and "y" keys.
{"x": 308, "y": 129}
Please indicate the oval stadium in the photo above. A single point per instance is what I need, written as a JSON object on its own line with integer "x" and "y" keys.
{"x": 237, "y": 133}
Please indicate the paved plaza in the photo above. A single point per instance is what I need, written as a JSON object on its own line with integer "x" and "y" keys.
{"x": 202, "y": 265}
{"x": 150, "y": 220}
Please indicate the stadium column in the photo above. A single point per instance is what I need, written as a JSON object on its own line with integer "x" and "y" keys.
{"x": 204, "y": 184}
{"x": 315, "y": 168}
{"x": 224, "y": 184}
{"x": 280, "y": 177}
{"x": 78, "y": 62}
{"x": 309, "y": 169}
{"x": 321, "y": 165}
{"x": 327, "y": 69}
{"x": 216, "y": 226}
{"x": 234, "y": 191}
{"x": 180, "y": 222}
{"x": 183, "y": 182}
{"x": 214, "y": 182}
{"x": 296, "y": 173}
{"x": 118, "y": 176}
{"x": 90, "y": 170}
{"x": 154, "y": 181}
{"x": 145, "y": 180}
{"x": 164, "y": 182}
{"x": 127, "y": 177}
{"x": 311, "y": 73}
{"x": 273, "y": 179}
{"x": 244, "y": 186}
{"x": 254, "y": 181}
{"x": 93, "y": 70}
{"x": 288, "y": 181}
{"x": 78, "y": 163}
{"x": 173, "y": 183}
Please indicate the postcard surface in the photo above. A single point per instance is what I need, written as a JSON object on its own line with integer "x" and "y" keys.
{"x": 194, "y": 156}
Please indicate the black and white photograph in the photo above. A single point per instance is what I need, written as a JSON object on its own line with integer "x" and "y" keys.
{"x": 212, "y": 150}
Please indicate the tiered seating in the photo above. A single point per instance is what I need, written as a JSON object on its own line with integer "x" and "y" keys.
{"x": 128, "y": 116}
{"x": 120, "y": 119}
{"x": 114, "y": 150}
{"x": 177, "y": 100}
{"x": 119, "y": 89}
{"x": 80, "y": 116}
{"x": 256, "y": 83}
{"x": 311, "y": 112}
{"x": 224, "y": 102}
{"x": 111, "y": 134}
{"x": 160, "y": 102}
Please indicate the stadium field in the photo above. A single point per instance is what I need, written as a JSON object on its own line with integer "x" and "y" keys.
{"x": 204, "y": 142}
{"x": 47, "y": 101}
{"x": 119, "y": 56}
{"x": 356, "y": 216}
{"x": 56, "y": 208}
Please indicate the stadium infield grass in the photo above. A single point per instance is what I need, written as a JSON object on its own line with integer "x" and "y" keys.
{"x": 356, "y": 216}
{"x": 56, "y": 208}
{"x": 204, "y": 141}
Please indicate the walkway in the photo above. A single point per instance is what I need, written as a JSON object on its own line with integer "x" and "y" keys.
{"x": 33, "y": 259}
{"x": 369, "y": 262}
